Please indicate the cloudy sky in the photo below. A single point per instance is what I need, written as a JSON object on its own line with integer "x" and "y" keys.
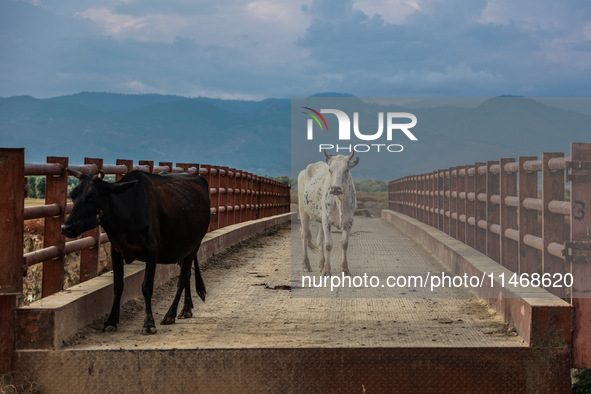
{"x": 280, "y": 48}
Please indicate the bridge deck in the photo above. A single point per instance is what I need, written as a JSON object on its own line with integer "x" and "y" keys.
{"x": 249, "y": 305}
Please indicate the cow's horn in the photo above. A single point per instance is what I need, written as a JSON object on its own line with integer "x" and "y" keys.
{"x": 74, "y": 173}
{"x": 351, "y": 155}
{"x": 327, "y": 155}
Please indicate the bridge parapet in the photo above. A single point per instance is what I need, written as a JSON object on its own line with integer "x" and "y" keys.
{"x": 236, "y": 197}
{"x": 500, "y": 209}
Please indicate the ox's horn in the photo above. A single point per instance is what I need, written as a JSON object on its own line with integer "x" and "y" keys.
{"x": 351, "y": 155}
{"x": 74, "y": 173}
{"x": 327, "y": 155}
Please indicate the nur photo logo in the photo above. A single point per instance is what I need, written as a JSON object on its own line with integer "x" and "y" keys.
{"x": 394, "y": 124}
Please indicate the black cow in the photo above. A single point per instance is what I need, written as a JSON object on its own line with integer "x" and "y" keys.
{"x": 160, "y": 219}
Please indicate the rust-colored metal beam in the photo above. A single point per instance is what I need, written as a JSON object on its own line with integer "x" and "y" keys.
{"x": 579, "y": 256}
{"x": 12, "y": 195}
{"x": 55, "y": 193}
{"x": 89, "y": 257}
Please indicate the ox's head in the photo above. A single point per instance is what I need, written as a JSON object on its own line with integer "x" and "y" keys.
{"x": 338, "y": 171}
{"x": 91, "y": 201}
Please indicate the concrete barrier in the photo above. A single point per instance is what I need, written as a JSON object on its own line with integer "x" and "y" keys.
{"x": 45, "y": 324}
{"x": 539, "y": 317}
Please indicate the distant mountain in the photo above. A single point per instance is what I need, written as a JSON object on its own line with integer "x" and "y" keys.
{"x": 249, "y": 135}
{"x": 256, "y": 135}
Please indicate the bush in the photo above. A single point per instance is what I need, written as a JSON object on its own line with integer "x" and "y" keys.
{"x": 583, "y": 385}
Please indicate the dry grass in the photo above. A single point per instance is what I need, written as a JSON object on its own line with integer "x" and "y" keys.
{"x": 31, "y": 202}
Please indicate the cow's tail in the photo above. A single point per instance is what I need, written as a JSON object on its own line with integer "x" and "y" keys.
{"x": 199, "y": 285}
{"x": 309, "y": 242}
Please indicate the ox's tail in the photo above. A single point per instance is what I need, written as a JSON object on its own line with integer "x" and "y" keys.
{"x": 309, "y": 242}
{"x": 199, "y": 285}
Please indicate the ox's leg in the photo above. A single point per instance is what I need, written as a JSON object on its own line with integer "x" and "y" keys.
{"x": 327, "y": 247}
{"x": 305, "y": 233}
{"x": 320, "y": 243}
{"x": 147, "y": 290}
{"x": 183, "y": 284}
{"x": 117, "y": 259}
{"x": 345, "y": 245}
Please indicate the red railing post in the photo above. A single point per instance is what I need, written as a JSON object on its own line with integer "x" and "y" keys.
{"x": 453, "y": 203}
{"x": 528, "y": 219}
{"x": 247, "y": 196}
{"x": 192, "y": 165}
{"x": 214, "y": 187}
{"x": 470, "y": 206}
{"x": 232, "y": 196}
{"x": 126, "y": 163}
{"x": 433, "y": 199}
{"x": 239, "y": 196}
{"x": 223, "y": 197}
{"x": 552, "y": 224}
{"x": 55, "y": 193}
{"x": 578, "y": 251}
{"x": 12, "y": 195}
{"x": 508, "y": 217}
{"x": 149, "y": 163}
{"x": 439, "y": 195}
{"x": 89, "y": 258}
{"x": 493, "y": 244}
{"x": 461, "y": 190}
{"x": 258, "y": 196}
{"x": 479, "y": 208}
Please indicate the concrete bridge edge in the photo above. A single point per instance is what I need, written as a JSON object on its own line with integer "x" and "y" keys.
{"x": 47, "y": 323}
{"x": 540, "y": 318}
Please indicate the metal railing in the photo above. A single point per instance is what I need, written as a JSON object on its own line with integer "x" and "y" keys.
{"x": 236, "y": 196}
{"x": 499, "y": 209}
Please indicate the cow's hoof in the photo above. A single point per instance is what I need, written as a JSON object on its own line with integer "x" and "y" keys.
{"x": 149, "y": 330}
{"x": 346, "y": 272}
{"x": 185, "y": 315}
{"x": 308, "y": 269}
{"x": 167, "y": 320}
{"x": 109, "y": 328}
{"x": 325, "y": 273}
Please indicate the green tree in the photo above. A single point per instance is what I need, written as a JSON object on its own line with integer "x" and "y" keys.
{"x": 40, "y": 187}
{"x": 32, "y": 186}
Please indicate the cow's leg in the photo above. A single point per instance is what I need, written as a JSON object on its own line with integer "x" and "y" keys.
{"x": 345, "y": 245}
{"x": 117, "y": 259}
{"x": 147, "y": 290}
{"x": 184, "y": 281}
{"x": 187, "y": 310}
{"x": 320, "y": 243}
{"x": 305, "y": 235}
{"x": 327, "y": 247}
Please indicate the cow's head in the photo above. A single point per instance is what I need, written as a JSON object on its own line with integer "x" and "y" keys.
{"x": 91, "y": 200}
{"x": 338, "y": 171}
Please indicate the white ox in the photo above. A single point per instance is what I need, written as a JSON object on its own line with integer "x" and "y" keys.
{"x": 326, "y": 194}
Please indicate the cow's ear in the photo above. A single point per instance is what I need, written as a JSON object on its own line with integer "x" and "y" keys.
{"x": 120, "y": 187}
{"x": 353, "y": 163}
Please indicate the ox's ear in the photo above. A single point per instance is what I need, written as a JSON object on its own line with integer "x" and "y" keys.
{"x": 119, "y": 187}
{"x": 354, "y": 163}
